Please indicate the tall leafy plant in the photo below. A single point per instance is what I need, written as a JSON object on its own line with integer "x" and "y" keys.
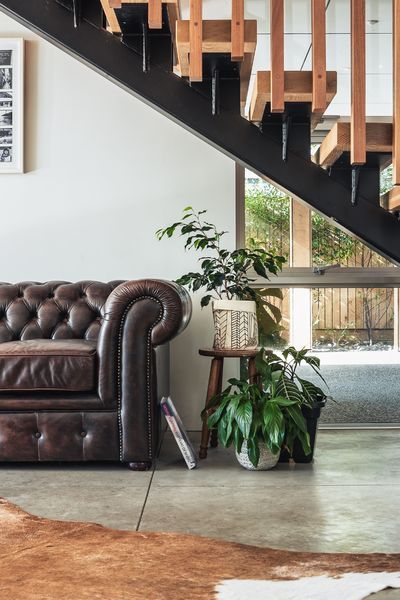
{"x": 225, "y": 274}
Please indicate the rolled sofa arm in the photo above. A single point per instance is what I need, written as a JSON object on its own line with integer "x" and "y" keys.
{"x": 138, "y": 316}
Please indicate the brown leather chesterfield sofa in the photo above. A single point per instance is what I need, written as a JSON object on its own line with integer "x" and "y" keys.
{"x": 79, "y": 366}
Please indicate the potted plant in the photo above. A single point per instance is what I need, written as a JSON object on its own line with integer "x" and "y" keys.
{"x": 311, "y": 398}
{"x": 224, "y": 275}
{"x": 267, "y": 418}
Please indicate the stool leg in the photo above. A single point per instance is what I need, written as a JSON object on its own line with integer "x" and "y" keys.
{"x": 212, "y": 390}
{"x": 252, "y": 370}
{"x": 214, "y": 432}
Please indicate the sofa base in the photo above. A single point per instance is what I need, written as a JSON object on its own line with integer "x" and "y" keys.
{"x": 48, "y": 436}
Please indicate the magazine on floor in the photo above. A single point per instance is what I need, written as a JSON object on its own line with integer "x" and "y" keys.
{"x": 181, "y": 437}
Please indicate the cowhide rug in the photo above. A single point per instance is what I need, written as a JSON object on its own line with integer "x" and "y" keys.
{"x": 58, "y": 560}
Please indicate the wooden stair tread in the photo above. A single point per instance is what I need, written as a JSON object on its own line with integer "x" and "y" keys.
{"x": 217, "y": 36}
{"x": 391, "y": 200}
{"x": 217, "y": 40}
{"x": 379, "y": 140}
{"x": 297, "y": 85}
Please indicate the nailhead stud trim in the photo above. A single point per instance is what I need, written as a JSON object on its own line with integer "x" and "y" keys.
{"x": 148, "y": 374}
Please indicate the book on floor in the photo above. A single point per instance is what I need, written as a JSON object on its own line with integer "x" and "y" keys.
{"x": 178, "y": 431}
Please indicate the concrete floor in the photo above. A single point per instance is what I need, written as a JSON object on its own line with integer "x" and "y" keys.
{"x": 347, "y": 501}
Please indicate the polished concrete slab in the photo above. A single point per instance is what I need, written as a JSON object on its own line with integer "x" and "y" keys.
{"x": 348, "y": 500}
{"x": 108, "y": 494}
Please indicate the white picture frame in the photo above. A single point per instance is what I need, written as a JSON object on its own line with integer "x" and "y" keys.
{"x": 11, "y": 105}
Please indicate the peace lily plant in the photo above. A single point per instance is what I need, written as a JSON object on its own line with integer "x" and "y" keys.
{"x": 227, "y": 277}
{"x": 265, "y": 416}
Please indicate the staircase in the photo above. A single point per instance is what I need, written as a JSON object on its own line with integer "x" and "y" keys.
{"x": 197, "y": 72}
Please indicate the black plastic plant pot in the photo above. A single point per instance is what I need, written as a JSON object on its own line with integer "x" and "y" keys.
{"x": 311, "y": 416}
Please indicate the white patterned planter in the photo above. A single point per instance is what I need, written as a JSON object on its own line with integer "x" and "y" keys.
{"x": 266, "y": 462}
{"x": 235, "y": 323}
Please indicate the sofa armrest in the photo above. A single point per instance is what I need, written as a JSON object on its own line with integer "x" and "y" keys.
{"x": 139, "y": 315}
{"x": 175, "y": 307}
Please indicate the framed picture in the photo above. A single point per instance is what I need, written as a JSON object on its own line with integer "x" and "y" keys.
{"x": 11, "y": 105}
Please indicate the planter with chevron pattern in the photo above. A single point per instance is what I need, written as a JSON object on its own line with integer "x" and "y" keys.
{"x": 235, "y": 323}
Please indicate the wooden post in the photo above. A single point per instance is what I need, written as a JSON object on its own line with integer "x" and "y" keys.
{"x": 196, "y": 41}
{"x": 237, "y": 30}
{"x": 277, "y": 56}
{"x": 155, "y": 14}
{"x": 300, "y": 256}
{"x": 318, "y": 56}
{"x": 111, "y": 17}
{"x": 358, "y": 124}
{"x": 396, "y": 92}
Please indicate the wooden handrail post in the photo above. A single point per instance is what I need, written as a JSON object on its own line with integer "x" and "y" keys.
{"x": 358, "y": 92}
{"x": 196, "y": 40}
{"x": 396, "y": 92}
{"x": 111, "y": 17}
{"x": 277, "y": 14}
{"x": 318, "y": 56}
{"x": 237, "y": 30}
{"x": 155, "y": 14}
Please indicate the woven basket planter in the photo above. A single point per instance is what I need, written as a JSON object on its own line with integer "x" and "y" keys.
{"x": 235, "y": 323}
{"x": 266, "y": 462}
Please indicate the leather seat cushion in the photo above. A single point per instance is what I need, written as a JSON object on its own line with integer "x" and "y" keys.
{"x": 63, "y": 365}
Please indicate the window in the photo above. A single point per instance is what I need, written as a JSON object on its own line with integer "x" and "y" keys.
{"x": 352, "y": 319}
{"x": 339, "y": 295}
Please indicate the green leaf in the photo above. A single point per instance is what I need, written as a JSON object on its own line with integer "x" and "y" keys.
{"x": 304, "y": 439}
{"x": 296, "y": 415}
{"x": 311, "y": 392}
{"x": 253, "y": 451}
{"x": 243, "y": 416}
{"x": 273, "y": 309}
{"x": 281, "y": 401}
{"x": 237, "y": 439}
{"x": 205, "y": 301}
{"x": 287, "y": 388}
{"x": 217, "y": 414}
{"x": 274, "y": 425}
{"x": 224, "y": 429}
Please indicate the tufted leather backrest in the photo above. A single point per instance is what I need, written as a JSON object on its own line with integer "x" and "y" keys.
{"x": 52, "y": 310}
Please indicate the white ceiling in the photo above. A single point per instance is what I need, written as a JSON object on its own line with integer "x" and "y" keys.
{"x": 298, "y": 40}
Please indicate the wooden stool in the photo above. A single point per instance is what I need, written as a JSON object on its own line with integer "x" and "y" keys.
{"x": 215, "y": 386}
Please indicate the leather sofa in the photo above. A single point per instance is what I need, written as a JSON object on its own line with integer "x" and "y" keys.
{"x": 82, "y": 368}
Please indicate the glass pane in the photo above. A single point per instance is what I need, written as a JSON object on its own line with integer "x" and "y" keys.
{"x": 331, "y": 246}
{"x": 267, "y": 216}
{"x": 352, "y": 319}
{"x": 284, "y": 307}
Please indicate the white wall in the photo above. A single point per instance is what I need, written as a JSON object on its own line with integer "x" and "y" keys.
{"x": 104, "y": 171}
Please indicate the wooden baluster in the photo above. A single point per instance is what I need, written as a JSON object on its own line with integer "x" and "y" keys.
{"x": 237, "y": 30}
{"x": 196, "y": 41}
{"x": 358, "y": 93}
{"x": 396, "y": 92}
{"x": 155, "y": 14}
{"x": 277, "y": 56}
{"x": 111, "y": 17}
{"x": 318, "y": 56}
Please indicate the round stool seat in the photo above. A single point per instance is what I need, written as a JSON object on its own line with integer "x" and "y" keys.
{"x": 227, "y": 353}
